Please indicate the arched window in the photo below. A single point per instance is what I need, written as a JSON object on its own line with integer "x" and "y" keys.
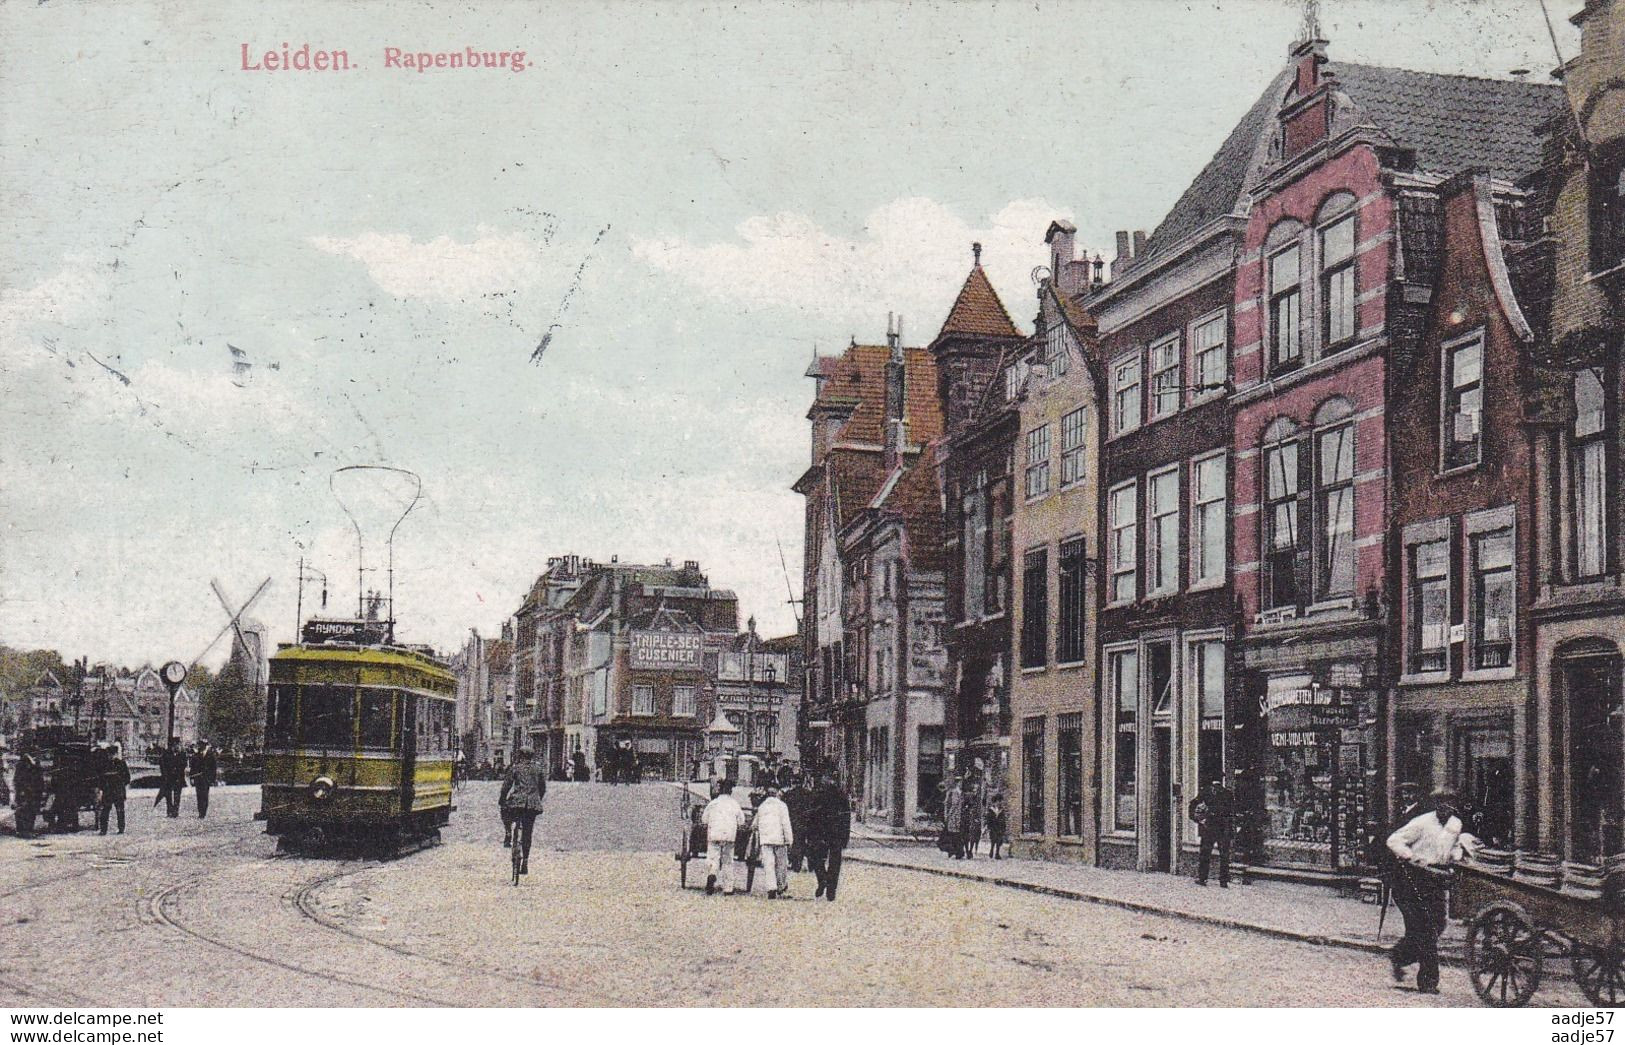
{"x": 1334, "y": 499}
{"x": 1335, "y": 242}
{"x": 1284, "y": 279}
{"x": 1281, "y": 518}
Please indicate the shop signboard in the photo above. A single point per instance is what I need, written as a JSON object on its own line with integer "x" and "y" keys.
{"x": 668, "y": 650}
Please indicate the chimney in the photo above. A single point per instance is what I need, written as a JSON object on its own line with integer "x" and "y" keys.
{"x": 1100, "y": 269}
{"x": 896, "y": 423}
{"x": 1070, "y": 277}
{"x": 1123, "y": 257}
{"x": 1139, "y": 242}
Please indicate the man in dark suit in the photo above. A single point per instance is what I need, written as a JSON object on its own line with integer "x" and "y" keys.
{"x": 27, "y": 792}
{"x": 205, "y": 774}
{"x": 1214, "y": 810}
{"x": 830, "y": 829}
{"x": 115, "y": 782}
{"x": 172, "y": 768}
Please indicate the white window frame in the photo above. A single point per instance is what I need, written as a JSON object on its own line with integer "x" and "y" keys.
{"x": 1074, "y": 442}
{"x": 1323, "y": 328}
{"x": 1199, "y": 510}
{"x": 1475, "y": 526}
{"x": 1135, "y": 363}
{"x": 680, "y": 707}
{"x": 1170, "y": 347}
{"x": 641, "y": 708}
{"x": 1118, "y": 568}
{"x": 1110, "y": 705}
{"x": 1274, "y": 362}
{"x": 1593, "y": 439}
{"x": 1199, "y": 392}
{"x": 1160, "y": 560}
{"x": 1413, "y": 537}
{"x": 1036, "y": 477}
{"x": 1447, "y": 389}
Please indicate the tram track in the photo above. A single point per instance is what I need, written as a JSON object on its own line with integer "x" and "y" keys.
{"x": 163, "y": 907}
{"x": 129, "y": 858}
{"x": 303, "y": 900}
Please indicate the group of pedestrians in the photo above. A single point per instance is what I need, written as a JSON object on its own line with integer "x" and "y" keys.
{"x": 793, "y": 826}
{"x": 60, "y": 795}
{"x": 968, "y": 809}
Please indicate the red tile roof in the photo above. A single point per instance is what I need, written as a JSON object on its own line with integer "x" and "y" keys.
{"x": 857, "y": 378}
{"x": 978, "y": 310}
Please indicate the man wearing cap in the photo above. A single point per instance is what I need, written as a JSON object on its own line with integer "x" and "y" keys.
{"x": 1424, "y": 848}
{"x": 723, "y": 817}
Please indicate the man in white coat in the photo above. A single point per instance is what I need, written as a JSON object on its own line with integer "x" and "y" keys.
{"x": 1424, "y": 848}
{"x": 723, "y": 818}
{"x": 775, "y": 836}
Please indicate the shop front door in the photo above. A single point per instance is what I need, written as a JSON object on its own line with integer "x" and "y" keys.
{"x": 1163, "y": 815}
{"x": 1596, "y": 753}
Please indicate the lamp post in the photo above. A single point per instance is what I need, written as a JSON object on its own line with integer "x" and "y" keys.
{"x": 173, "y": 674}
{"x": 772, "y": 670}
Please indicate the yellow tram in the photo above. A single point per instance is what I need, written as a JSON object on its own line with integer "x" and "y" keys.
{"x": 359, "y": 740}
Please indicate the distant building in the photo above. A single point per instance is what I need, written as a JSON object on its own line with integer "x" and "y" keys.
{"x": 758, "y": 688}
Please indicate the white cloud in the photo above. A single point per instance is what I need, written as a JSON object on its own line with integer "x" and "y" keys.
{"x": 58, "y": 299}
{"x": 444, "y": 269}
{"x": 912, "y": 258}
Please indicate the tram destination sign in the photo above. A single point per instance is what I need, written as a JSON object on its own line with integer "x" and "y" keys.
{"x": 679, "y": 650}
{"x": 359, "y": 632}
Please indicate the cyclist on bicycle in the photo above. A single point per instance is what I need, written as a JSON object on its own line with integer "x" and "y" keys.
{"x": 521, "y": 800}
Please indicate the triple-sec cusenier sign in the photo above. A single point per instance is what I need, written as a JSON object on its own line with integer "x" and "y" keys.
{"x": 678, "y": 650}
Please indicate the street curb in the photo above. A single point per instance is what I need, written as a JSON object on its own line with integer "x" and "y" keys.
{"x": 1318, "y": 939}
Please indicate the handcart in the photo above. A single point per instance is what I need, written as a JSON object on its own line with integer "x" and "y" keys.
{"x": 1514, "y": 926}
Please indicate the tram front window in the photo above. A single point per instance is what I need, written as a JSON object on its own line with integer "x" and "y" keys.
{"x": 328, "y": 717}
{"x": 377, "y": 720}
{"x": 279, "y": 717}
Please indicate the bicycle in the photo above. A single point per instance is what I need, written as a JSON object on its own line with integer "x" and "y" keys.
{"x": 518, "y": 853}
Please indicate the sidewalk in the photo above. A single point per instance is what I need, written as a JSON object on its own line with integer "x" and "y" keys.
{"x": 1307, "y": 914}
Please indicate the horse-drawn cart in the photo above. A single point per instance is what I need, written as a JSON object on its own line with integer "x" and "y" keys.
{"x": 1514, "y": 926}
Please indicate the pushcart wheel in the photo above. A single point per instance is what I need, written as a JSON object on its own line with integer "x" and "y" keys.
{"x": 1600, "y": 971}
{"x": 1504, "y": 955}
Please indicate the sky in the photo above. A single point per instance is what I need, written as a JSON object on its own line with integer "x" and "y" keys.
{"x": 577, "y": 300}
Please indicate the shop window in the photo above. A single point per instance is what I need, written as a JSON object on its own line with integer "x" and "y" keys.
{"x": 1038, "y": 462}
{"x": 1123, "y": 675}
{"x": 928, "y": 771}
{"x": 1208, "y": 532}
{"x": 1162, "y": 551}
{"x": 1281, "y": 525}
{"x": 1334, "y": 495}
{"x": 1209, "y": 365}
{"x": 1124, "y": 523}
{"x": 1492, "y": 599}
{"x": 1206, "y": 665}
{"x": 1596, "y": 715}
{"x": 1032, "y": 775}
{"x": 1337, "y": 282}
{"x": 1463, "y": 433}
{"x": 1035, "y": 608}
{"x": 1286, "y": 310}
{"x": 643, "y": 700}
{"x": 1126, "y": 395}
{"x": 1428, "y": 623}
{"x": 1070, "y": 647}
{"x": 1483, "y": 759}
{"x": 1069, "y": 773}
{"x": 1166, "y": 390}
{"x": 1589, "y": 498}
{"x": 1072, "y": 448}
{"x": 879, "y": 763}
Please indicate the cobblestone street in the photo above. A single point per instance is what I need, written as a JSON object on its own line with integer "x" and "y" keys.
{"x": 193, "y": 912}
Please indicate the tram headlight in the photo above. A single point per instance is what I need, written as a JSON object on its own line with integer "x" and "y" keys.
{"x": 321, "y": 789}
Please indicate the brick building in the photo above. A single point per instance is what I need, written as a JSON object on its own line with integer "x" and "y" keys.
{"x": 1576, "y": 802}
{"x": 975, "y": 348}
{"x": 873, "y": 578}
{"x": 1333, "y": 293}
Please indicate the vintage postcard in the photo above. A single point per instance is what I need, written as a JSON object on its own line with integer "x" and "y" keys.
{"x": 640, "y": 503}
